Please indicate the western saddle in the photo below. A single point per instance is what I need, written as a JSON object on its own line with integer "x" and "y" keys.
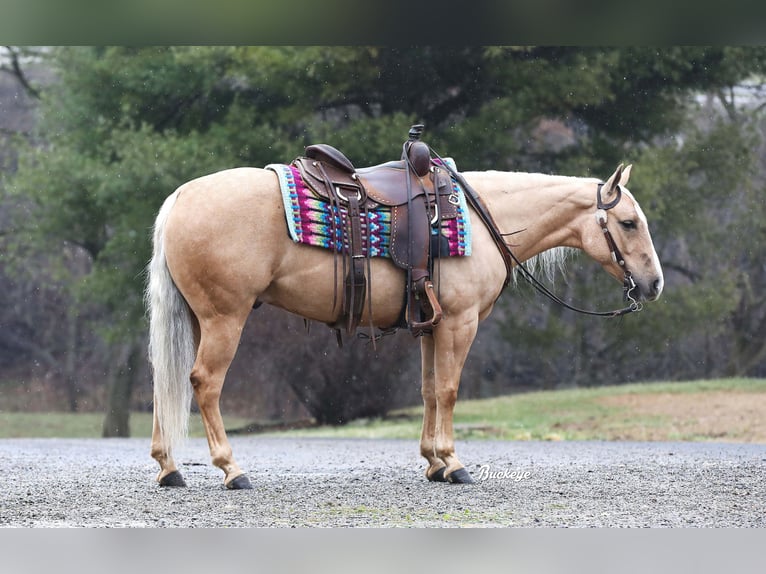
{"x": 419, "y": 194}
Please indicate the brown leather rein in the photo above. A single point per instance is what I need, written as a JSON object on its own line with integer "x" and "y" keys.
{"x": 628, "y": 284}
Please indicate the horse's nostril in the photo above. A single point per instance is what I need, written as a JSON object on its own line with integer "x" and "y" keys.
{"x": 656, "y": 286}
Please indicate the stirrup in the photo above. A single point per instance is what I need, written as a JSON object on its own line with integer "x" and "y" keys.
{"x": 428, "y": 289}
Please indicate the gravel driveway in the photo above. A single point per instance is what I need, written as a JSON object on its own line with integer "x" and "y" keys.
{"x": 339, "y": 482}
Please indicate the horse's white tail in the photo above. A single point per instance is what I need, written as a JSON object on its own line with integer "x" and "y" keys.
{"x": 171, "y": 341}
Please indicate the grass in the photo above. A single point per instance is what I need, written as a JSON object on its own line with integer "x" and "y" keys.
{"x": 84, "y": 425}
{"x": 576, "y": 414}
{"x": 603, "y": 413}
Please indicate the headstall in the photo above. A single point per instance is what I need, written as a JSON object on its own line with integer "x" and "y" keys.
{"x": 628, "y": 284}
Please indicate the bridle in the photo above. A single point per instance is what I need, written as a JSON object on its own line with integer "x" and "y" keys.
{"x": 628, "y": 284}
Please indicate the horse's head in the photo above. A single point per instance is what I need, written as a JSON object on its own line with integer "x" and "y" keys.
{"x": 618, "y": 238}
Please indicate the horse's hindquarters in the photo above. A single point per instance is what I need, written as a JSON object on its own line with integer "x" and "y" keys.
{"x": 223, "y": 239}
{"x": 228, "y": 245}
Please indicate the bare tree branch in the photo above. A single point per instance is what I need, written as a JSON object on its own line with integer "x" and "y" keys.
{"x": 728, "y": 102}
{"x": 16, "y": 70}
{"x": 688, "y": 273}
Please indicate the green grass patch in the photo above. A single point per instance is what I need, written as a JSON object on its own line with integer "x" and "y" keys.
{"x": 573, "y": 414}
{"x": 85, "y": 425}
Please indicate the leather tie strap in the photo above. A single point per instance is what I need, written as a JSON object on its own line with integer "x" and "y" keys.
{"x": 356, "y": 284}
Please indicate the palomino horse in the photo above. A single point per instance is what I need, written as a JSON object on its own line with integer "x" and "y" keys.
{"x": 221, "y": 245}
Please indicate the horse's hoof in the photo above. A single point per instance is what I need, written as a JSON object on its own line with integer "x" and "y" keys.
{"x": 460, "y": 476}
{"x": 173, "y": 479}
{"x": 239, "y": 483}
{"x": 438, "y": 476}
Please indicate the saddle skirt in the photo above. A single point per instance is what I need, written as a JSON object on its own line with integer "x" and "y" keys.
{"x": 312, "y": 220}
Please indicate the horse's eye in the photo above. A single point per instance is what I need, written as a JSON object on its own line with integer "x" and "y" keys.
{"x": 628, "y": 224}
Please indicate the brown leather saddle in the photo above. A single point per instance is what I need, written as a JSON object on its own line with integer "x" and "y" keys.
{"x": 419, "y": 194}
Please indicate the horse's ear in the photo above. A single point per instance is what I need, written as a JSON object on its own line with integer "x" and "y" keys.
{"x": 614, "y": 180}
{"x": 625, "y": 175}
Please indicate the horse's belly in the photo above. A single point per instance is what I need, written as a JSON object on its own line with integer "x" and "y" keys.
{"x": 309, "y": 282}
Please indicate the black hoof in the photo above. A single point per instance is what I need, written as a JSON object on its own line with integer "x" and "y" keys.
{"x": 240, "y": 483}
{"x": 460, "y": 476}
{"x": 173, "y": 479}
{"x": 438, "y": 476}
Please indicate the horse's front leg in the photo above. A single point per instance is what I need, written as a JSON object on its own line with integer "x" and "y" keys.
{"x": 452, "y": 341}
{"x": 436, "y": 466}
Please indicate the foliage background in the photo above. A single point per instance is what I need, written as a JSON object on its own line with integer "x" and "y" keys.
{"x": 114, "y": 130}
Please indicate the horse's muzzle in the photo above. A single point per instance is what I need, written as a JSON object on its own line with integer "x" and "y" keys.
{"x": 644, "y": 291}
{"x": 635, "y": 291}
{"x": 655, "y": 289}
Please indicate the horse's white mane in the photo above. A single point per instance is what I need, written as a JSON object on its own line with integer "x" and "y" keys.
{"x": 547, "y": 263}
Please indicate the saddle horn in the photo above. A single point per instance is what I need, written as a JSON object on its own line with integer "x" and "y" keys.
{"x": 416, "y": 153}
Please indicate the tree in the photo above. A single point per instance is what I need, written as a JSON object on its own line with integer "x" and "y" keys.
{"x": 125, "y": 126}
{"x": 698, "y": 184}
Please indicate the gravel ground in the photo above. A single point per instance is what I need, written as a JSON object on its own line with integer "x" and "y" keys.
{"x": 339, "y": 482}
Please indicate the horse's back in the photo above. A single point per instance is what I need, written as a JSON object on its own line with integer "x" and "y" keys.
{"x": 224, "y": 193}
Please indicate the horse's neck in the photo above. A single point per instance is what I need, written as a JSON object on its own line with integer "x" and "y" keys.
{"x": 540, "y": 211}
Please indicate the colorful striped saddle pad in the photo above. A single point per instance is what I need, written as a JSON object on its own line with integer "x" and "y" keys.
{"x": 309, "y": 219}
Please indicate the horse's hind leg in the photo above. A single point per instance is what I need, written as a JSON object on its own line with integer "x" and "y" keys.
{"x": 169, "y": 474}
{"x": 219, "y": 337}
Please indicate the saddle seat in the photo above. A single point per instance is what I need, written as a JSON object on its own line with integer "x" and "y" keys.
{"x": 383, "y": 184}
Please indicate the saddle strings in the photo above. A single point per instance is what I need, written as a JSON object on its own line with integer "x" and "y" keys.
{"x": 334, "y": 211}
{"x": 336, "y": 228}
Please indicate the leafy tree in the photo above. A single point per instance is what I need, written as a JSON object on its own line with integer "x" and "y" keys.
{"x": 124, "y": 126}
{"x": 697, "y": 181}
